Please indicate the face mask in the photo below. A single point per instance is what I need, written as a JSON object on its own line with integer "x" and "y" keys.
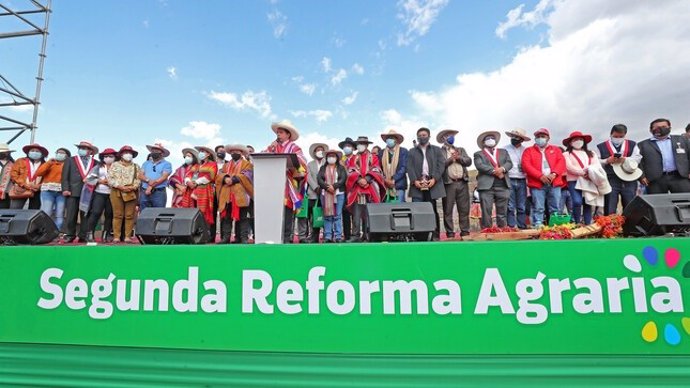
{"x": 331, "y": 160}
{"x": 541, "y": 141}
{"x": 319, "y": 154}
{"x": 490, "y": 142}
{"x": 202, "y": 155}
{"x": 35, "y": 155}
{"x": 188, "y": 160}
{"x": 127, "y": 157}
{"x": 423, "y": 140}
{"x": 516, "y": 142}
{"x": 109, "y": 159}
{"x": 220, "y": 155}
{"x": 450, "y": 140}
{"x": 235, "y": 157}
{"x": 347, "y": 150}
{"x": 577, "y": 144}
{"x": 82, "y": 152}
{"x": 390, "y": 143}
{"x": 156, "y": 155}
{"x": 617, "y": 140}
{"x": 361, "y": 148}
{"x": 60, "y": 157}
{"x": 661, "y": 132}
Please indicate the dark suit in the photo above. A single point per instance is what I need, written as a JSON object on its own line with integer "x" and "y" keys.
{"x": 73, "y": 181}
{"x": 661, "y": 182}
{"x": 457, "y": 192}
{"x": 436, "y": 162}
{"x": 491, "y": 189}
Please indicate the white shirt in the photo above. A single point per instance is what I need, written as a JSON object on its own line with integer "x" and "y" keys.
{"x": 516, "y": 157}
{"x": 545, "y": 168}
{"x": 425, "y": 164}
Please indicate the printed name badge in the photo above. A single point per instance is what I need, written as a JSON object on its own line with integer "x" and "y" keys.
{"x": 679, "y": 149}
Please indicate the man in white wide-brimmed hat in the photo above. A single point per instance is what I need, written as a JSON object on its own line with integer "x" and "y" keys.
{"x": 393, "y": 160}
{"x": 234, "y": 191}
{"x": 493, "y": 185}
{"x": 286, "y": 134}
{"x": 456, "y": 182}
{"x": 74, "y": 170}
{"x": 5, "y": 174}
{"x": 614, "y": 151}
{"x": 517, "y": 203}
{"x": 154, "y": 176}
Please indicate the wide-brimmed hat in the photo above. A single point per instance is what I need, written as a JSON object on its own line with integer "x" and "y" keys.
{"x": 483, "y": 135}
{"x": 236, "y": 147}
{"x": 441, "y": 137}
{"x": 107, "y": 151}
{"x": 86, "y": 144}
{"x": 337, "y": 153}
{"x": 43, "y": 149}
{"x": 159, "y": 146}
{"x": 391, "y": 133}
{"x": 4, "y": 147}
{"x": 348, "y": 140}
{"x": 574, "y": 135}
{"x": 363, "y": 140}
{"x": 192, "y": 151}
{"x": 518, "y": 133}
{"x": 288, "y": 126}
{"x": 628, "y": 171}
{"x": 313, "y": 147}
{"x": 209, "y": 151}
{"x": 542, "y": 131}
{"x": 127, "y": 148}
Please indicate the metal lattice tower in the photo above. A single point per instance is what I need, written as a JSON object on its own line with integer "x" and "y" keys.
{"x": 29, "y": 21}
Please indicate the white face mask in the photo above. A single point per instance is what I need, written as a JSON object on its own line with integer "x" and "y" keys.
{"x": 617, "y": 140}
{"x": 319, "y": 154}
{"x": 490, "y": 142}
{"x": 127, "y": 157}
{"x": 331, "y": 160}
{"x": 577, "y": 144}
{"x": 109, "y": 159}
{"x": 188, "y": 160}
{"x": 60, "y": 157}
{"x": 361, "y": 148}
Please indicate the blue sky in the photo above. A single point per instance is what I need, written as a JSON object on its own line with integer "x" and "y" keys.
{"x": 189, "y": 72}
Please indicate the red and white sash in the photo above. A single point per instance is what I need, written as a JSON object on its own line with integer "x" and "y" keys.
{"x": 624, "y": 149}
{"x": 492, "y": 158}
{"x": 80, "y": 166}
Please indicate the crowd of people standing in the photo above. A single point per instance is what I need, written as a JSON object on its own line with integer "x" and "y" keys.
{"x": 517, "y": 185}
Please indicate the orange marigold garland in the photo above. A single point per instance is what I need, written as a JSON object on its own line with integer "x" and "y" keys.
{"x": 611, "y": 225}
{"x": 556, "y": 232}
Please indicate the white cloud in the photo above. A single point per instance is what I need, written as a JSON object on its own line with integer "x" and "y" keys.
{"x": 349, "y": 100}
{"x": 208, "y": 133}
{"x": 338, "y": 77}
{"x": 307, "y": 89}
{"x": 320, "y": 115}
{"x": 516, "y": 17}
{"x": 307, "y": 139}
{"x": 603, "y": 63}
{"x": 407, "y": 126}
{"x": 172, "y": 72}
{"x": 358, "y": 69}
{"x": 279, "y": 23}
{"x": 417, "y": 17}
{"x": 259, "y": 102}
{"x": 326, "y": 65}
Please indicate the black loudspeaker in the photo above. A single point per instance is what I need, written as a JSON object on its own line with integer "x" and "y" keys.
{"x": 171, "y": 226}
{"x": 657, "y": 214}
{"x": 26, "y": 227}
{"x": 400, "y": 221}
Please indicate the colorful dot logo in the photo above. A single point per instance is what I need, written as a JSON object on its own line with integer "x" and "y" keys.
{"x": 650, "y": 330}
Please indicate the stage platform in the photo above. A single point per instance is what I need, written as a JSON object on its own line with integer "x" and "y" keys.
{"x": 577, "y": 312}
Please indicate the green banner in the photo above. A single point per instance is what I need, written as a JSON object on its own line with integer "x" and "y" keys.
{"x": 627, "y": 296}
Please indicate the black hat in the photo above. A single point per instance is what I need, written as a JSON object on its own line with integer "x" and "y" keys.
{"x": 348, "y": 140}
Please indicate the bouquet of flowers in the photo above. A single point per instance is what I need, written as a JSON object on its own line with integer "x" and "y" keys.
{"x": 556, "y": 232}
{"x": 611, "y": 225}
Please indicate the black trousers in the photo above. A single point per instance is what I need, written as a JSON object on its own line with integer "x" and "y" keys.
{"x": 241, "y": 226}
{"x": 288, "y": 225}
{"x": 674, "y": 183}
{"x": 100, "y": 204}
{"x": 426, "y": 197}
{"x": 72, "y": 212}
{"x": 347, "y": 222}
{"x": 34, "y": 202}
{"x": 5, "y": 203}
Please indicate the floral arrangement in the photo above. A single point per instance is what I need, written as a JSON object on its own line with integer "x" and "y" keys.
{"x": 498, "y": 229}
{"x": 611, "y": 225}
{"x": 556, "y": 232}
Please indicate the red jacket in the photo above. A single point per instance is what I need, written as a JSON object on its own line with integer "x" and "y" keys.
{"x": 531, "y": 165}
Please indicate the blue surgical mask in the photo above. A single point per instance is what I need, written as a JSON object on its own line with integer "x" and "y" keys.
{"x": 617, "y": 140}
{"x": 347, "y": 150}
{"x": 450, "y": 140}
{"x": 188, "y": 160}
{"x": 82, "y": 152}
{"x": 60, "y": 156}
{"x": 202, "y": 155}
{"x": 541, "y": 141}
{"x": 35, "y": 155}
{"x": 391, "y": 142}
